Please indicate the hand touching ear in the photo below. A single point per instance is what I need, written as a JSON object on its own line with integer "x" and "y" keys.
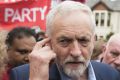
{"x": 39, "y": 59}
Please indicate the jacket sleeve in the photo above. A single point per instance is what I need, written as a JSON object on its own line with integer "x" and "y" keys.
{"x": 20, "y": 73}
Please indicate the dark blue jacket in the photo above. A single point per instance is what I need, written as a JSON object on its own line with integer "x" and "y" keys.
{"x": 102, "y": 72}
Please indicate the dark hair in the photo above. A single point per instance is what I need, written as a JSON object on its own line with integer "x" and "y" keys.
{"x": 41, "y": 33}
{"x": 19, "y": 32}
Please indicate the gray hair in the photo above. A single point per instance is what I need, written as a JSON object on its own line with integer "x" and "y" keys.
{"x": 63, "y": 9}
{"x": 114, "y": 38}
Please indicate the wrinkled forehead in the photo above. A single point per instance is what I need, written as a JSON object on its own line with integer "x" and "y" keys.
{"x": 30, "y": 41}
{"x": 114, "y": 46}
{"x": 114, "y": 40}
{"x": 76, "y": 20}
{"x": 115, "y": 43}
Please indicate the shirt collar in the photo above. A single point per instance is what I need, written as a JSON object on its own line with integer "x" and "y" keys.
{"x": 91, "y": 74}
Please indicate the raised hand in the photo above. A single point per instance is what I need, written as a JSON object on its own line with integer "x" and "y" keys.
{"x": 39, "y": 59}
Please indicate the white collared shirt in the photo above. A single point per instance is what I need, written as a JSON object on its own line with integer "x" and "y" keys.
{"x": 91, "y": 73}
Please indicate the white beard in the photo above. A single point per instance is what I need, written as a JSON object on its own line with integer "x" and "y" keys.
{"x": 76, "y": 73}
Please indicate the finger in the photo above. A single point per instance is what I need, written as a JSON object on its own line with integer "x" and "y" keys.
{"x": 49, "y": 44}
{"x": 40, "y": 44}
{"x": 45, "y": 56}
{"x": 52, "y": 55}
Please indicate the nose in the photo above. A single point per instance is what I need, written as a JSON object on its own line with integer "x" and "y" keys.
{"x": 75, "y": 50}
{"x": 26, "y": 58}
{"x": 117, "y": 61}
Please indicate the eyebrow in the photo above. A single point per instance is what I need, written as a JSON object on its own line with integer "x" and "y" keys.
{"x": 116, "y": 52}
{"x": 63, "y": 37}
{"x": 78, "y": 37}
{"x": 85, "y": 35}
{"x": 21, "y": 50}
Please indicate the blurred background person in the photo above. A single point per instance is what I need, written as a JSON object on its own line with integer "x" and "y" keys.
{"x": 3, "y": 55}
{"x": 20, "y": 42}
{"x": 98, "y": 49}
{"x": 112, "y": 51}
{"x": 40, "y": 35}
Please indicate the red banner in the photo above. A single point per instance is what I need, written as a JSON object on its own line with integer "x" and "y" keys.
{"x": 30, "y": 13}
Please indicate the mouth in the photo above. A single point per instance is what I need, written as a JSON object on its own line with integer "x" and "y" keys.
{"x": 75, "y": 64}
{"x": 25, "y": 62}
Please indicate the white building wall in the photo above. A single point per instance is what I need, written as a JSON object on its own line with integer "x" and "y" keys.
{"x": 102, "y": 30}
{"x": 115, "y": 22}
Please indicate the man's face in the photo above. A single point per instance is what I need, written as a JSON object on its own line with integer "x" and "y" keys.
{"x": 112, "y": 55}
{"x": 72, "y": 40}
{"x": 20, "y": 49}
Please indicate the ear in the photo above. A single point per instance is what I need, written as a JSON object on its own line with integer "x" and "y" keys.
{"x": 103, "y": 47}
{"x": 50, "y": 42}
{"x": 8, "y": 49}
{"x": 46, "y": 35}
{"x": 94, "y": 39}
{"x": 103, "y": 52}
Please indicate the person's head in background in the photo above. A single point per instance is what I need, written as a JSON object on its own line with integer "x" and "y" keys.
{"x": 112, "y": 51}
{"x": 70, "y": 26}
{"x": 40, "y": 35}
{"x": 98, "y": 49}
{"x": 20, "y": 42}
{"x": 3, "y": 52}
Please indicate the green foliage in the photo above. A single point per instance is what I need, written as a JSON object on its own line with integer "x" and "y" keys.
{"x": 109, "y": 35}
